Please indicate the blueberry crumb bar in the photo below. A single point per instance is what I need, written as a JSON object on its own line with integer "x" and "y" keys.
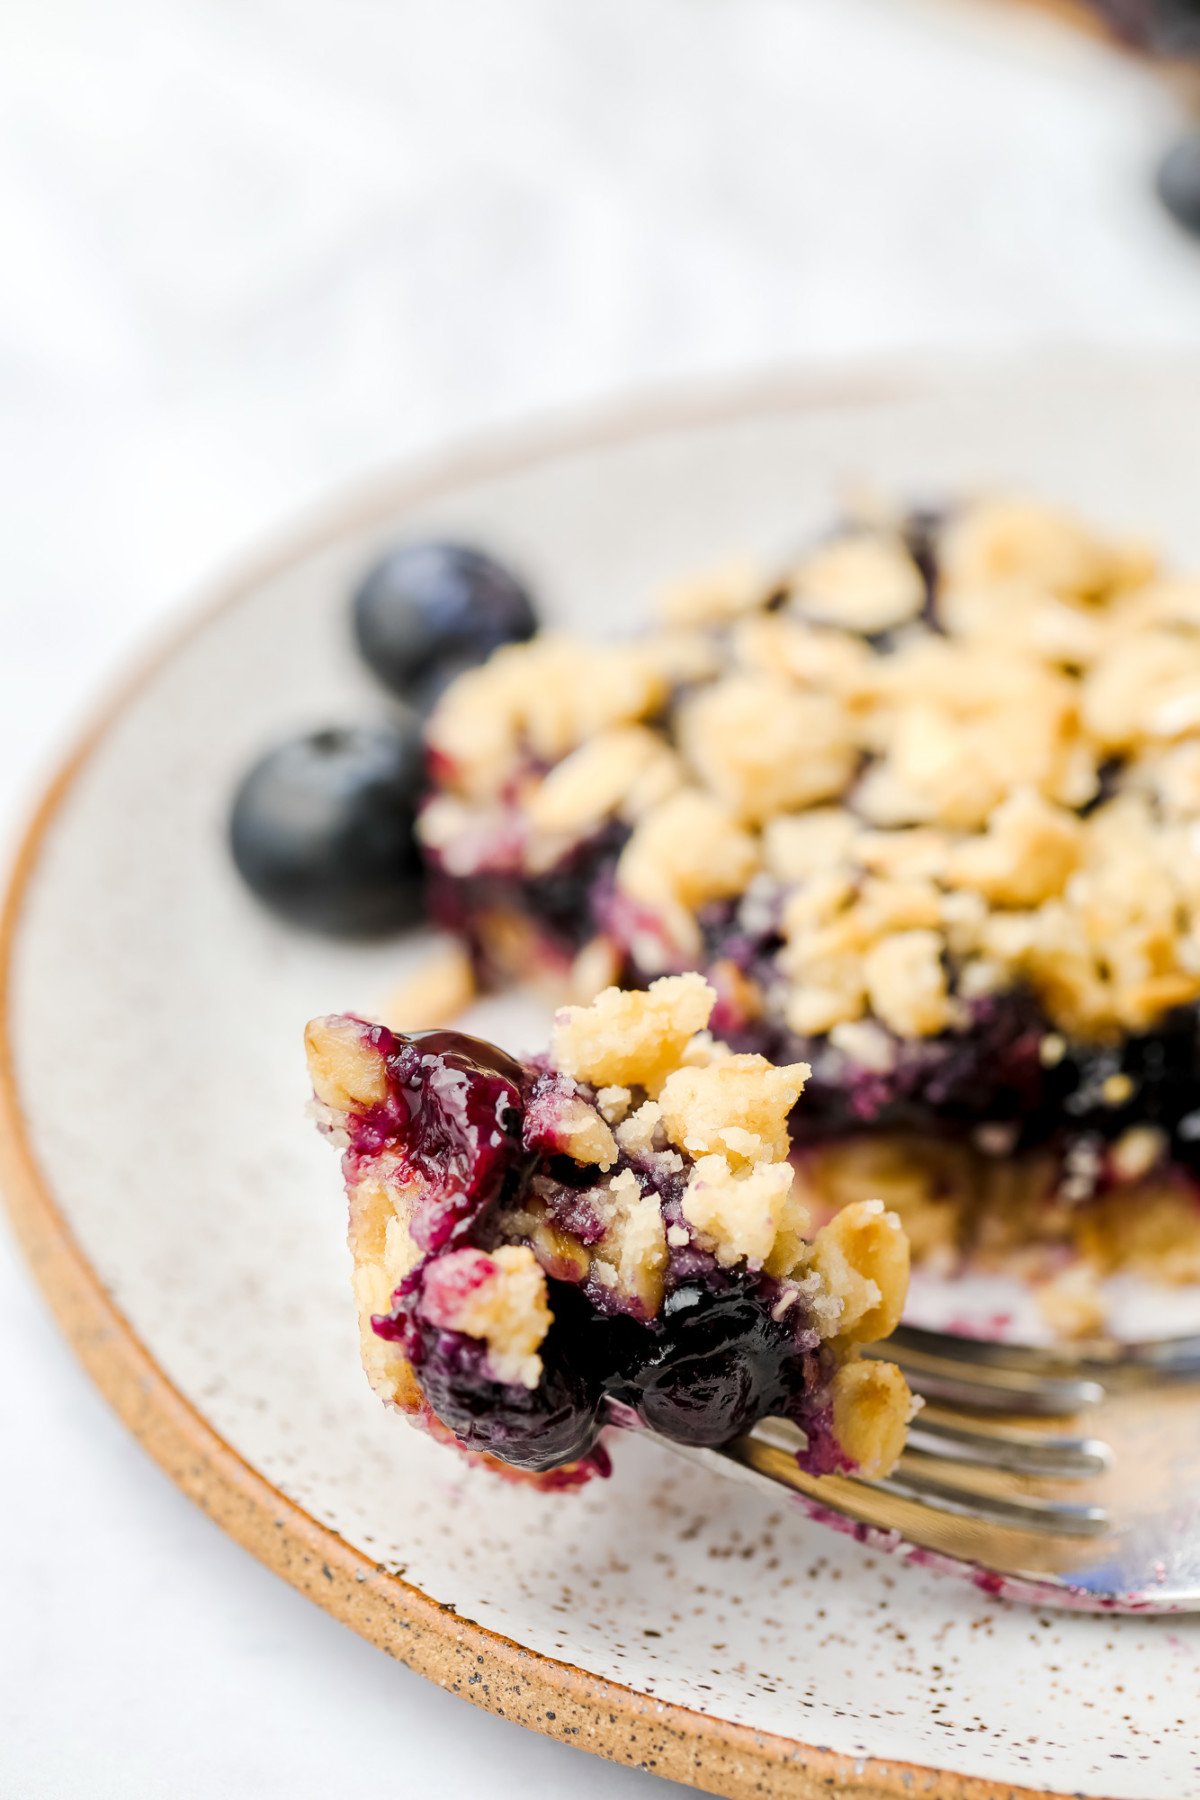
{"x": 923, "y": 806}
{"x": 609, "y": 1234}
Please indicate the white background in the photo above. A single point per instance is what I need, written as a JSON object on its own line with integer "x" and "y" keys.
{"x": 252, "y": 249}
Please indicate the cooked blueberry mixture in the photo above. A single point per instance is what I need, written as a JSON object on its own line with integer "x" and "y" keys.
{"x": 924, "y": 807}
{"x": 610, "y": 1233}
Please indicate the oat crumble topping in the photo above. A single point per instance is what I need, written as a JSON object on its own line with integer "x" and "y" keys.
{"x": 851, "y": 725}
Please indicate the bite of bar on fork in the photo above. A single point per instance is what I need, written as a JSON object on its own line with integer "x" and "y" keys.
{"x": 608, "y": 1234}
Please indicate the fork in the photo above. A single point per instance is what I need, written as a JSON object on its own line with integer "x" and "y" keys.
{"x": 1067, "y": 1477}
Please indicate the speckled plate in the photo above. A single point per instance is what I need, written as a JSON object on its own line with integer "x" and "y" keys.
{"x": 187, "y": 1224}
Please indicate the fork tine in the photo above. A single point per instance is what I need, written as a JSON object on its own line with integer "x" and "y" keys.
{"x": 764, "y": 1458}
{"x": 1096, "y": 1357}
{"x": 985, "y": 1386}
{"x": 770, "y": 1447}
{"x": 1018, "y": 1452}
{"x": 1067, "y": 1518}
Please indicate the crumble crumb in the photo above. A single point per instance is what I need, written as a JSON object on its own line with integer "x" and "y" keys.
{"x": 441, "y": 989}
{"x": 906, "y": 982}
{"x": 345, "y": 1072}
{"x": 631, "y": 1039}
{"x": 498, "y": 1298}
{"x": 798, "y": 845}
{"x": 580, "y": 1133}
{"x": 614, "y": 1103}
{"x": 736, "y": 1108}
{"x": 866, "y": 582}
{"x": 1025, "y": 856}
{"x": 872, "y": 1407}
{"x": 631, "y": 1258}
{"x": 625, "y": 770}
{"x": 638, "y": 1133}
{"x": 765, "y": 747}
{"x": 714, "y": 596}
{"x": 742, "y": 1213}
{"x": 862, "y": 1256}
{"x": 546, "y": 696}
{"x": 685, "y": 851}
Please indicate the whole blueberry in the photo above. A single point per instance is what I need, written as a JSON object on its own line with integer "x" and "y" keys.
{"x": 536, "y": 1429}
{"x": 322, "y": 829}
{"x": 427, "y": 606}
{"x": 1179, "y": 183}
{"x": 721, "y": 1363}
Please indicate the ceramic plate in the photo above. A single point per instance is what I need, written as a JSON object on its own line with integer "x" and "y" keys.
{"x": 187, "y": 1223}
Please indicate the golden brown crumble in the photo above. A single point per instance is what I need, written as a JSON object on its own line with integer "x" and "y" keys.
{"x": 542, "y": 699}
{"x": 631, "y": 1039}
{"x": 383, "y": 1253}
{"x": 581, "y": 1133}
{"x": 765, "y": 747}
{"x": 737, "y": 1107}
{"x": 626, "y": 770}
{"x": 745, "y": 1213}
{"x": 972, "y": 760}
{"x": 866, "y": 582}
{"x": 714, "y": 596}
{"x": 346, "y": 1072}
{"x": 862, "y": 1257}
{"x": 872, "y": 1408}
{"x": 729, "y": 1115}
{"x": 684, "y": 852}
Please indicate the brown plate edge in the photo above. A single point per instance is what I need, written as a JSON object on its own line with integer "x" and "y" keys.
{"x": 483, "y": 1666}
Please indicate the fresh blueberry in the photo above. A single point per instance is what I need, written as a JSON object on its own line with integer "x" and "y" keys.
{"x": 1179, "y": 183}
{"x": 322, "y": 829}
{"x": 426, "y": 606}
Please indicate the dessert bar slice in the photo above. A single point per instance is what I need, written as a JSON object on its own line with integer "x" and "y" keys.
{"x": 923, "y": 805}
{"x": 611, "y": 1233}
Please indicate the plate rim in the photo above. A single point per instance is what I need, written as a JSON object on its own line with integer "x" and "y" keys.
{"x": 495, "y": 1672}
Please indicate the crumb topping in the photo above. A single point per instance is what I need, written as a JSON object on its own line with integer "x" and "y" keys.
{"x": 347, "y": 1072}
{"x": 737, "y": 1108}
{"x": 866, "y": 582}
{"x": 872, "y": 1407}
{"x": 1015, "y": 749}
{"x": 763, "y": 746}
{"x": 745, "y": 1213}
{"x": 631, "y": 1039}
{"x": 499, "y": 1299}
{"x": 686, "y": 851}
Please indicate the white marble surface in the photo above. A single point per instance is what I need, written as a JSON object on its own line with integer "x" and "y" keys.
{"x": 253, "y": 251}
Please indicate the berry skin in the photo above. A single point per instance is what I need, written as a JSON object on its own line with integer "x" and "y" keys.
{"x": 534, "y": 1429}
{"x": 428, "y": 607}
{"x": 1179, "y": 183}
{"x": 322, "y": 829}
{"x": 722, "y": 1365}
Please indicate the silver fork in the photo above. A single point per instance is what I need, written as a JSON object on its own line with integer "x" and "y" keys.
{"x": 1068, "y": 1477}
